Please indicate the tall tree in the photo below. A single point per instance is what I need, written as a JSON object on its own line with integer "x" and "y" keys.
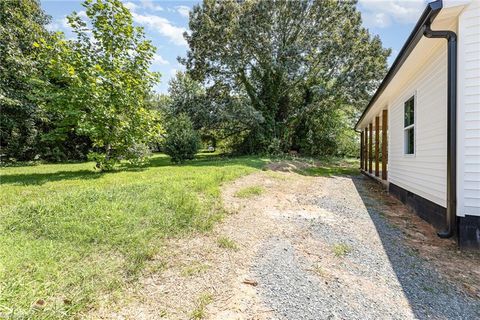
{"x": 22, "y": 22}
{"x": 280, "y": 54}
{"x": 107, "y": 72}
{"x": 214, "y": 111}
{"x": 189, "y": 97}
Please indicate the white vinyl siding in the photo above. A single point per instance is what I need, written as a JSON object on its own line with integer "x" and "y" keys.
{"x": 468, "y": 153}
{"x": 425, "y": 172}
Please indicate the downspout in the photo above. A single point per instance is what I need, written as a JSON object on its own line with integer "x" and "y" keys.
{"x": 451, "y": 38}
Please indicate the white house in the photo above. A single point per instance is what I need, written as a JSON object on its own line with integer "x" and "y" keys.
{"x": 420, "y": 132}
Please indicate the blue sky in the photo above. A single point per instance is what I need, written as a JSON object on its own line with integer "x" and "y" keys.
{"x": 165, "y": 21}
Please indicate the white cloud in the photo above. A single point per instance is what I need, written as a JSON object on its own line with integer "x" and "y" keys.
{"x": 382, "y": 20}
{"x": 382, "y": 13}
{"x": 158, "y": 59}
{"x": 184, "y": 11}
{"x": 163, "y": 26}
{"x": 60, "y": 24}
{"x": 148, "y": 4}
{"x": 82, "y": 14}
{"x": 53, "y": 26}
{"x": 64, "y": 23}
{"x": 130, "y": 5}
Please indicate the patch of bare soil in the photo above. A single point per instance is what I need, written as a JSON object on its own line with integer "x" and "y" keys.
{"x": 232, "y": 273}
{"x": 290, "y": 166}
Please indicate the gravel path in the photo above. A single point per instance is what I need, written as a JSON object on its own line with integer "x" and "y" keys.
{"x": 376, "y": 276}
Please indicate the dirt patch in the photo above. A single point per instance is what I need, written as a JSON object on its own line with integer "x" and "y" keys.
{"x": 291, "y": 165}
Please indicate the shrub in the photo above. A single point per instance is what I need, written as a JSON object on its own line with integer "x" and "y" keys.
{"x": 275, "y": 147}
{"x": 138, "y": 154}
{"x": 102, "y": 162}
{"x": 182, "y": 141}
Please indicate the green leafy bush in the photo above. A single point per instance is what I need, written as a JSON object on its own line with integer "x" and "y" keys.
{"x": 138, "y": 154}
{"x": 182, "y": 141}
{"x": 102, "y": 161}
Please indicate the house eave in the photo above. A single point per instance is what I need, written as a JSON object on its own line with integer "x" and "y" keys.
{"x": 427, "y": 17}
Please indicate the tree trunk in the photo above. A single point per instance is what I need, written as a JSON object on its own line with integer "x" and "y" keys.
{"x": 108, "y": 151}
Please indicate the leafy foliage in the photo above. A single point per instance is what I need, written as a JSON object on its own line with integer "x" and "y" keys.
{"x": 215, "y": 112}
{"x": 189, "y": 97}
{"x": 262, "y": 77}
{"x": 292, "y": 59}
{"x": 326, "y": 131}
{"x": 182, "y": 141}
{"x": 61, "y": 99}
{"x": 106, "y": 70}
{"x": 22, "y": 22}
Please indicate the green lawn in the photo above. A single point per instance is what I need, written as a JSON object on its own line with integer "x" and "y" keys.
{"x": 68, "y": 234}
{"x": 333, "y": 167}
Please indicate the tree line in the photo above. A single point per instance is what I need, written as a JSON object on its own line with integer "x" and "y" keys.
{"x": 261, "y": 77}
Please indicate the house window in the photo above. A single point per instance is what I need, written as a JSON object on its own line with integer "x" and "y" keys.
{"x": 409, "y": 126}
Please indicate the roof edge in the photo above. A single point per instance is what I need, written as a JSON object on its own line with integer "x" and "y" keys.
{"x": 428, "y": 15}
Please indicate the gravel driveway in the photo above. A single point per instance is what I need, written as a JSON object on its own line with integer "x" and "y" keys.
{"x": 362, "y": 269}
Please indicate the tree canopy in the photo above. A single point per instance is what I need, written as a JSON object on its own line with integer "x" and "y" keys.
{"x": 106, "y": 70}
{"x": 288, "y": 57}
{"x": 22, "y": 23}
{"x": 214, "y": 110}
{"x": 262, "y": 76}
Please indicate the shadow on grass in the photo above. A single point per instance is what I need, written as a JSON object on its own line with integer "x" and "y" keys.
{"x": 41, "y": 178}
{"x": 202, "y": 160}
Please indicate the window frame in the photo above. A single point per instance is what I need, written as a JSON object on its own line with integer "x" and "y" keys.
{"x": 413, "y": 126}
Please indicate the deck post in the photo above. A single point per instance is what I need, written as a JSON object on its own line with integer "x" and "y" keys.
{"x": 370, "y": 147}
{"x": 365, "y": 150}
{"x": 384, "y": 144}
{"x": 377, "y": 146}
{"x": 361, "y": 150}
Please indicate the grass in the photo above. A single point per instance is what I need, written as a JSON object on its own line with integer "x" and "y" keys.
{"x": 194, "y": 269}
{"x": 227, "y": 243}
{"x": 204, "y": 300}
{"x": 276, "y": 175}
{"x": 70, "y": 236}
{"x": 319, "y": 270}
{"x": 341, "y": 249}
{"x": 249, "y": 192}
{"x": 333, "y": 167}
